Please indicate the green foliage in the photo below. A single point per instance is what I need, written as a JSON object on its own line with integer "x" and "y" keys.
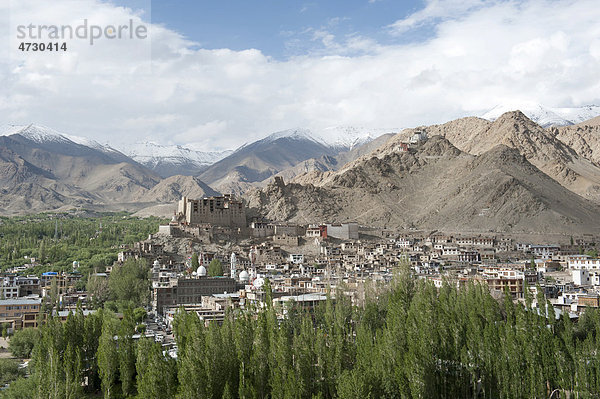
{"x": 592, "y": 253}
{"x": 79, "y": 238}
{"x": 129, "y": 283}
{"x": 409, "y": 340}
{"x": 139, "y": 315}
{"x": 5, "y": 327}
{"x": 156, "y": 374}
{"x": 97, "y": 288}
{"x": 127, "y": 352}
{"x": 22, "y": 342}
{"x": 195, "y": 262}
{"x": 10, "y": 371}
{"x": 57, "y": 361}
{"x": 21, "y": 388}
{"x": 215, "y": 268}
{"x": 108, "y": 355}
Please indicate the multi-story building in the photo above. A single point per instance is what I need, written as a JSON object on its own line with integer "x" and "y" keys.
{"x": 344, "y": 231}
{"x": 291, "y": 241}
{"x": 184, "y": 291}
{"x": 583, "y": 262}
{"x": 9, "y": 291}
{"x": 224, "y": 211}
{"x": 28, "y": 285}
{"x": 65, "y": 282}
{"x": 20, "y": 312}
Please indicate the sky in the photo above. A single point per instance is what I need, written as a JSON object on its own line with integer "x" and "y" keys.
{"x": 213, "y": 75}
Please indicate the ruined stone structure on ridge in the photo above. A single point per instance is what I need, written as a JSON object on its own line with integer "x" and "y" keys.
{"x": 226, "y": 211}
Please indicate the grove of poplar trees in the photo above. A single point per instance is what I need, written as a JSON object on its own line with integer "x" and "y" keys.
{"x": 410, "y": 341}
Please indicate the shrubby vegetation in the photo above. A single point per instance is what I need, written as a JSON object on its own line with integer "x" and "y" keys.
{"x": 412, "y": 341}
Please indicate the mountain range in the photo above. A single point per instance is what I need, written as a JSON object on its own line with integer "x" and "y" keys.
{"x": 500, "y": 173}
{"x": 436, "y": 186}
{"x": 546, "y": 116}
{"x": 510, "y": 175}
{"x": 43, "y": 169}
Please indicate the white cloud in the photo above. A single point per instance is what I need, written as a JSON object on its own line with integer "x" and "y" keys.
{"x": 481, "y": 54}
{"x": 437, "y": 10}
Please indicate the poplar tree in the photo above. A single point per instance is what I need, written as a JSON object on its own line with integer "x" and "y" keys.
{"x": 108, "y": 355}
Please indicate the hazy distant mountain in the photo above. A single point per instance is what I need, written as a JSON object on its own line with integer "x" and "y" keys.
{"x": 42, "y": 169}
{"x": 330, "y": 163}
{"x": 436, "y": 186}
{"x": 263, "y": 158}
{"x": 548, "y": 117}
{"x": 288, "y": 152}
{"x": 170, "y": 160}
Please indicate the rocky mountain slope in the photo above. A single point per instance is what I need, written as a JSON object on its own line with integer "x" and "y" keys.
{"x": 540, "y": 146}
{"x": 42, "y": 169}
{"x": 433, "y": 186}
{"x": 173, "y": 188}
{"x": 583, "y": 138}
{"x": 469, "y": 175}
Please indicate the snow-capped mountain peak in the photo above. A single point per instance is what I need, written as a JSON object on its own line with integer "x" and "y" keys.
{"x": 33, "y": 132}
{"x": 342, "y": 138}
{"x": 42, "y": 134}
{"x": 296, "y": 134}
{"x": 151, "y": 152}
{"x": 546, "y": 116}
{"x": 348, "y": 137}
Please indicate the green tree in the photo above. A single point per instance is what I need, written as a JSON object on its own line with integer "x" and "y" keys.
{"x": 42, "y": 252}
{"x": 129, "y": 283}
{"x": 127, "y": 353}
{"x": 22, "y": 342}
{"x": 593, "y": 253}
{"x": 195, "y": 262}
{"x": 21, "y": 388}
{"x": 108, "y": 355}
{"x": 156, "y": 374}
{"x": 10, "y": 371}
{"x": 97, "y": 288}
{"x": 215, "y": 268}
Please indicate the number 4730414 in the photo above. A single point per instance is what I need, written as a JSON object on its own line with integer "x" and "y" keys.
{"x": 24, "y": 46}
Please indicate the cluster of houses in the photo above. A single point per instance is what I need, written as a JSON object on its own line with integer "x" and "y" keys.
{"x": 22, "y": 296}
{"x": 303, "y": 264}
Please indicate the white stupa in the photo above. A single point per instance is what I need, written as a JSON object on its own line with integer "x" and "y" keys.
{"x": 201, "y": 271}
